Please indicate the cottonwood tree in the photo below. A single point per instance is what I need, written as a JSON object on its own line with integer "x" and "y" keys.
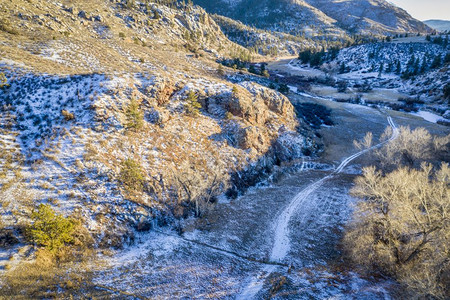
{"x": 365, "y": 143}
{"x": 411, "y": 148}
{"x": 403, "y": 227}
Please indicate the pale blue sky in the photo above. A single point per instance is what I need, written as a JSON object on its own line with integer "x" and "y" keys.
{"x": 425, "y": 9}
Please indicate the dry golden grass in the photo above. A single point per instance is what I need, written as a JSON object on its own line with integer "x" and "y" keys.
{"x": 43, "y": 278}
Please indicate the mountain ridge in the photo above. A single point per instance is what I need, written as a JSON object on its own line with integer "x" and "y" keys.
{"x": 333, "y": 18}
{"x": 439, "y": 25}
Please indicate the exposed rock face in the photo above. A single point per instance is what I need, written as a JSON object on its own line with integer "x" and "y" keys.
{"x": 276, "y": 102}
{"x": 161, "y": 92}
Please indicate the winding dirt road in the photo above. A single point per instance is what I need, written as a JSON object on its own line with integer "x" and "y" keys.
{"x": 282, "y": 243}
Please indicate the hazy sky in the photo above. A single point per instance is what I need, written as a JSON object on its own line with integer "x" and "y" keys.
{"x": 425, "y": 9}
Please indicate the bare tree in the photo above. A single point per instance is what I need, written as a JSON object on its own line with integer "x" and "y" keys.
{"x": 403, "y": 226}
{"x": 365, "y": 143}
{"x": 199, "y": 184}
{"x": 411, "y": 148}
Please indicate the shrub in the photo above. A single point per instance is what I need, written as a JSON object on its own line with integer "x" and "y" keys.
{"x": 220, "y": 70}
{"x": 135, "y": 117}
{"x": 447, "y": 91}
{"x": 192, "y": 106}
{"x": 235, "y": 91}
{"x": 45, "y": 279}
{"x": 51, "y": 230}
{"x": 283, "y": 88}
{"x": 131, "y": 175}
{"x": 3, "y": 80}
{"x": 305, "y": 56}
{"x": 68, "y": 116}
{"x": 5, "y": 26}
{"x": 265, "y": 73}
{"x": 314, "y": 114}
{"x": 342, "y": 86}
{"x": 365, "y": 87}
{"x": 130, "y": 4}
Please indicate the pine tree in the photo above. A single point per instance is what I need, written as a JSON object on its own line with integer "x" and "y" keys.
{"x": 436, "y": 62}
{"x": 342, "y": 68}
{"x": 389, "y": 67}
{"x": 416, "y": 67}
{"x": 447, "y": 58}
{"x": 192, "y": 106}
{"x": 50, "y": 229}
{"x": 381, "y": 69}
{"x": 252, "y": 69}
{"x": 424, "y": 65}
{"x": 399, "y": 67}
{"x": 135, "y": 117}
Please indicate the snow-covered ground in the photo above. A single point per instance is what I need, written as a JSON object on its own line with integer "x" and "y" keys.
{"x": 279, "y": 240}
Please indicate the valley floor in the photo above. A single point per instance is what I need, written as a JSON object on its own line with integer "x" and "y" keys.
{"x": 232, "y": 253}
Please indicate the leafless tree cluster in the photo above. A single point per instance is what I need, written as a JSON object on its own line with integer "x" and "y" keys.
{"x": 197, "y": 184}
{"x": 402, "y": 225}
{"x": 412, "y": 147}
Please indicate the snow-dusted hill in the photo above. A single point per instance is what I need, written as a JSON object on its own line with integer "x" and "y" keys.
{"x": 417, "y": 68}
{"x": 439, "y": 25}
{"x": 369, "y": 16}
{"x": 328, "y": 17}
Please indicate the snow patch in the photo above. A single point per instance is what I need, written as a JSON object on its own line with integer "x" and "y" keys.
{"x": 428, "y": 116}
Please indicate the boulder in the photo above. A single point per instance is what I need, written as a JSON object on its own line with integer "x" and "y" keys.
{"x": 82, "y": 14}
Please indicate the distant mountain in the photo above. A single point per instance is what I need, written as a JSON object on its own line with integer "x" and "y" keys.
{"x": 324, "y": 17}
{"x": 370, "y": 16}
{"x": 439, "y": 25}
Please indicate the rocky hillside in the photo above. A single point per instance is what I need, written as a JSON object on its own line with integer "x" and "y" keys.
{"x": 263, "y": 41}
{"x": 326, "y": 18}
{"x": 293, "y": 17}
{"x": 115, "y": 111}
